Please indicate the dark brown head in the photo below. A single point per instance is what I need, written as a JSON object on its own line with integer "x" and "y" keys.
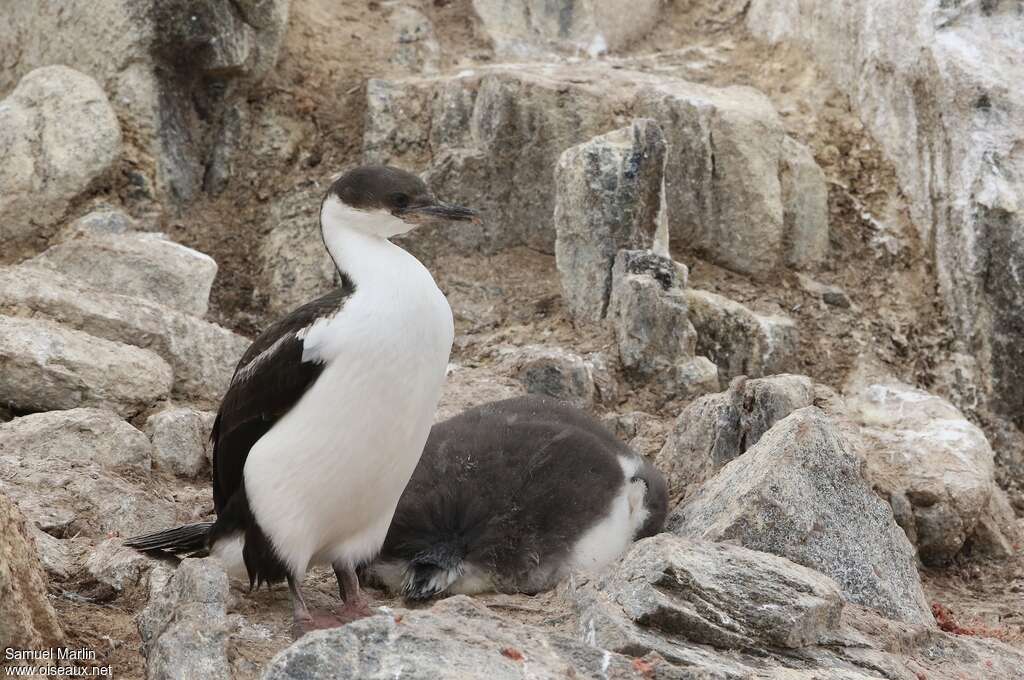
{"x": 384, "y": 201}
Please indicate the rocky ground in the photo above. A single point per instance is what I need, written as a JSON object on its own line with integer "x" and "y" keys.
{"x": 775, "y": 246}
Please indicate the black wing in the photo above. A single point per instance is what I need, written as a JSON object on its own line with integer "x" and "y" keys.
{"x": 270, "y": 378}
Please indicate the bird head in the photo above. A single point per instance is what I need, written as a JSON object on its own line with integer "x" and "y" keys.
{"x": 384, "y": 201}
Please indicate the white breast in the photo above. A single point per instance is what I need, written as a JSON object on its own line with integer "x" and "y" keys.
{"x": 324, "y": 482}
{"x": 604, "y": 542}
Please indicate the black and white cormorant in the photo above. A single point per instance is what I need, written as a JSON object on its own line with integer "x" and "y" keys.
{"x": 512, "y": 496}
{"x": 329, "y": 409}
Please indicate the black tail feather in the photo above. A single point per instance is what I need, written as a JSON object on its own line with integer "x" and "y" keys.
{"x": 432, "y": 571}
{"x": 191, "y": 539}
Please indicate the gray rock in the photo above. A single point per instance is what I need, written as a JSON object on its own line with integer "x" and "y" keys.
{"x": 70, "y": 496}
{"x": 815, "y": 674}
{"x": 934, "y": 80}
{"x": 456, "y": 638}
{"x": 998, "y": 530}
{"x": 1008, "y": 445}
{"x": 115, "y": 566}
{"x": 738, "y": 340}
{"x": 608, "y": 197}
{"x": 799, "y": 493}
{"x": 184, "y": 628}
{"x": 558, "y": 373}
{"x": 694, "y": 378}
{"x": 830, "y": 295}
{"x": 143, "y": 265}
{"x": 738, "y": 614}
{"x": 717, "y": 428}
{"x": 277, "y": 136}
{"x": 102, "y": 222}
{"x": 625, "y": 426}
{"x": 29, "y": 621}
{"x": 805, "y": 197}
{"x": 728, "y": 158}
{"x": 181, "y": 440}
{"x": 491, "y": 138}
{"x": 166, "y": 104}
{"x": 81, "y": 434}
{"x": 538, "y": 27}
{"x": 158, "y": 579}
{"x": 643, "y": 432}
{"x": 649, "y": 315}
{"x": 296, "y": 267}
{"x": 61, "y": 558}
{"x": 931, "y": 463}
{"x": 203, "y": 355}
{"x": 47, "y": 366}
{"x": 669, "y": 588}
{"x": 417, "y": 49}
{"x": 57, "y": 134}
{"x": 220, "y": 166}
{"x": 76, "y": 472}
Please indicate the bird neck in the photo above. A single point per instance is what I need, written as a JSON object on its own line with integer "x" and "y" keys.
{"x": 360, "y": 256}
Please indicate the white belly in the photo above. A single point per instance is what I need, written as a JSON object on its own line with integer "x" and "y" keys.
{"x": 323, "y": 484}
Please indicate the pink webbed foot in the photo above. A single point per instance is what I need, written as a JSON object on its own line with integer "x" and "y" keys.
{"x": 314, "y": 620}
{"x": 347, "y": 612}
{"x": 354, "y": 605}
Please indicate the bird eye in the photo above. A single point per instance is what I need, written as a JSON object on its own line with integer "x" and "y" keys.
{"x": 400, "y": 201}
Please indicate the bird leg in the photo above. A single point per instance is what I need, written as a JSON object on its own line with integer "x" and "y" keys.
{"x": 354, "y": 605}
{"x": 304, "y": 621}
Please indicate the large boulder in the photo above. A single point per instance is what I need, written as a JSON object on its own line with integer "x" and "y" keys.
{"x": 721, "y": 611}
{"x": 46, "y": 366}
{"x": 537, "y": 27}
{"x": 456, "y": 638}
{"x": 494, "y": 145}
{"x": 141, "y": 265}
{"x": 491, "y": 138}
{"x": 717, "y": 428}
{"x": 729, "y": 180}
{"x": 80, "y": 434}
{"x": 933, "y": 465}
{"x": 57, "y": 134}
{"x": 938, "y": 87}
{"x": 739, "y": 340}
{"x": 173, "y": 109}
{"x": 80, "y": 472}
{"x": 28, "y": 621}
{"x": 800, "y": 493}
{"x": 608, "y": 197}
{"x": 726, "y": 596}
{"x": 202, "y": 355}
{"x": 184, "y": 628}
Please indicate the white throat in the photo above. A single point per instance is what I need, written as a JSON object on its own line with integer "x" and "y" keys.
{"x": 358, "y": 239}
